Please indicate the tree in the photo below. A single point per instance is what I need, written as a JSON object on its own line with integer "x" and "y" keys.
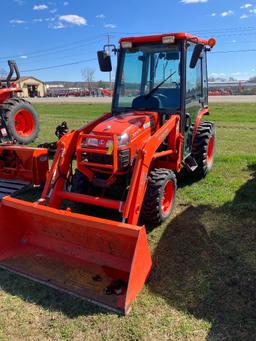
{"x": 87, "y": 74}
{"x": 252, "y": 80}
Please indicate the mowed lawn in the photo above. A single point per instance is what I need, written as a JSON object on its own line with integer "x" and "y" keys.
{"x": 203, "y": 284}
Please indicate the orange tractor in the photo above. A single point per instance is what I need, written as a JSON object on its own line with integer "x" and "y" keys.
{"x": 18, "y": 119}
{"x": 126, "y": 163}
{"x": 19, "y": 124}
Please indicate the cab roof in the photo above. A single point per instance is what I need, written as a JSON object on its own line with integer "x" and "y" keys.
{"x": 158, "y": 38}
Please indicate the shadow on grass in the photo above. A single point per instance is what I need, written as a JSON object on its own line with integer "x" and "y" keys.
{"x": 48, "y": 298}
{"x": 205, "y": 264}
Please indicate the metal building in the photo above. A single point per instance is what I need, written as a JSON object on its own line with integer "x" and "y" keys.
{"x": 32, "y": 87}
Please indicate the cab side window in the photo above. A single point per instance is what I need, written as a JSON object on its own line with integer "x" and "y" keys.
{"x": 194, "y": 89}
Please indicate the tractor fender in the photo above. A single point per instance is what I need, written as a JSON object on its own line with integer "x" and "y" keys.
{"x": 201, "y": 113}
{"x": 8, "y": 93}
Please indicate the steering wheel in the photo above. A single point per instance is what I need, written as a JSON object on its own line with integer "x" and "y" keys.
{"x": 162, "y": 98}
{"x": 176, "y": 84}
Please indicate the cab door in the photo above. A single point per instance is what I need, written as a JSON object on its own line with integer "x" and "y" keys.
{"x": 193, "y": 97}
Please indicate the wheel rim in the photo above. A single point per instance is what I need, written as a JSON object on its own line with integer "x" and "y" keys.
{"x": 24, "y": 123}
{"x": 210, "y": 151}
{"x": 168, "y": 196}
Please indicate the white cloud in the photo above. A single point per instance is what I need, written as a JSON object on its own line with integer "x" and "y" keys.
{"x": 227, "y": 13}
{"x": 110, "y": 26}
{"x": 233, "y": 41}
{"x": 100, "y": 16}
{"x": 38, "y": 20}
{"x": 41, "y": 7}
{"x": 53, "y": 10}
{"x": 246, "y": 6}
{"x": 253, "y": 70}
{"x": 57, "y": 26}
{"x": 17, "y": 22}
{"x": 24, "y": 57}
{"x": 253, "y": 11}
{"x": 73, "y": 19}
{"x": 244, "y": 16}
{"x": 65, "y": 3}
{"x": 193, "y": 1}
{"x": 213, "y": 14}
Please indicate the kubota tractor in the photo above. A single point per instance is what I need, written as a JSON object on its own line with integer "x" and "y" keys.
{"x": 127, "y": 161}
{"x": 18, "y": 119}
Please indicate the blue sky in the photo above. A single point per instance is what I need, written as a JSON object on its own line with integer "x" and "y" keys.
{"x": 41, "y": 34}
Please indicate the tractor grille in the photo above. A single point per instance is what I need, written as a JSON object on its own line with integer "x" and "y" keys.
{"x": 123, "y": 159}
{"x": 100, "y": 158}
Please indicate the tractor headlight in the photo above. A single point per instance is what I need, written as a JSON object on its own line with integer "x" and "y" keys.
{"x": 123, "y": 140}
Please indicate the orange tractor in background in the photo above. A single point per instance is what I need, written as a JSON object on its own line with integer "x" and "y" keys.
{"x": 19, "y": 125}
{"x": 18, "y": 119}
{"x": 126, "y": 163}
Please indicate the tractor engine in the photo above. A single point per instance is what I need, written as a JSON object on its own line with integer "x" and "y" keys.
{"x": 107, "y": 154}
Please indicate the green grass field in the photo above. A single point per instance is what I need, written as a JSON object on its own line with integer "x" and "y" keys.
{"x": 203, "y": 285}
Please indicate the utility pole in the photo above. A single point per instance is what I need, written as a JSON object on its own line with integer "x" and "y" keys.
{"x": 109, "y": 51}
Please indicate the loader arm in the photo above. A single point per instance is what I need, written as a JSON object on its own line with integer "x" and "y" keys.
{"x": 144, "y": 160}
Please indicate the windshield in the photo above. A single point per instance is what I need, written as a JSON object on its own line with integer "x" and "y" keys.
{"x": 149, "y": 78}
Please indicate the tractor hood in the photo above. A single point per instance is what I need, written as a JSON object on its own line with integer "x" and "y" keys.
{"x": 129, "y": 123}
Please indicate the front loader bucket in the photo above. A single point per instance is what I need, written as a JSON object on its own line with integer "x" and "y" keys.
{"x": 103, "y": 261}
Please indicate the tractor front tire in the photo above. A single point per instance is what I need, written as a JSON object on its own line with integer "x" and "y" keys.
{"x": 203, "y": 148}
{"x": 21, "y": 120}
{"x": 160, "y": 197}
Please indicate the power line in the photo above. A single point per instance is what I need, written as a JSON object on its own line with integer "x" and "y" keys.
{"x": 94, "y": 59}
{"x": 234, "y": 51}
{"x": 68, "y": 56}
{"x": 60, "y": 65}
{"x": 60, "y": 48}
{"x": 222, "y": 32}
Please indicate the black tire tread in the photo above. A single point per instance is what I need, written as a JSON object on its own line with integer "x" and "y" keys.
{"x": 200, "y": 146}
{"x": 7, "y": 107}
{"x": 151, "y": 212}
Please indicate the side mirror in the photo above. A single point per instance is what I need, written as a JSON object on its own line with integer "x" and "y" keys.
{"x": 104, "y": 61}
{"x": 196, "y": 55}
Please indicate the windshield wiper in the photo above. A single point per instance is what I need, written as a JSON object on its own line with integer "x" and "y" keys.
{"x": 158, "y": 86}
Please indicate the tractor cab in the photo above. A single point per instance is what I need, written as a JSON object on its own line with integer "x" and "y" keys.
{"x": 166, "y": 74}
{"x": 149, "y": 79}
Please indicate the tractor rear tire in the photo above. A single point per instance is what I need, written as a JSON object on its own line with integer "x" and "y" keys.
{"x": 160, "y": 197}
{"x": 203, "y": 148}
{"x": 21, "y": 120}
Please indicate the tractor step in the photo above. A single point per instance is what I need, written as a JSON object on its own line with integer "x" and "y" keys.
{"x": 12, "y": 187}
{"x": 190, "y": 164}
